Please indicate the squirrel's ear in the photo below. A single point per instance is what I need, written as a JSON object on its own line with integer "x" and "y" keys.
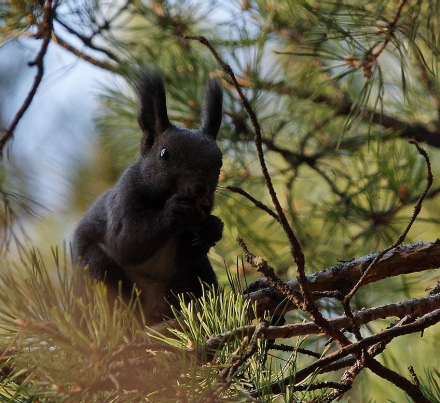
{"x": 212, "y": 108}
{"x": 153, "y": 116}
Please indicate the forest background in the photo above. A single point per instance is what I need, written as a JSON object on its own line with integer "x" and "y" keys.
{"x": 338, "y": 89}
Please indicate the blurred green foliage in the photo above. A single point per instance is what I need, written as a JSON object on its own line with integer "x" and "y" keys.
{"x": 335, "y": 116}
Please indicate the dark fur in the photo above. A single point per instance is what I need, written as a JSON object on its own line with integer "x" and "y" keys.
{"x": 155, "y": 228}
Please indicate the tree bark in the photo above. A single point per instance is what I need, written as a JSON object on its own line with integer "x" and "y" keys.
{"x": 406, "y": 259}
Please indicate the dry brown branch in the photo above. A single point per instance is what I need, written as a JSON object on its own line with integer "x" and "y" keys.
{"x": 406, "y": 259}
{"x": 320, "y": 385}
{"x": 353, "y": 349}
{"x": 414, "y": 375}
{"x": 44, "y": 33}
{"x": 269, "y": 273}
{"x": 287, "y": 348}
{"x": 349, "y": 361}
{"x": 347, "y": 380}
{"x": 263, "y": 267}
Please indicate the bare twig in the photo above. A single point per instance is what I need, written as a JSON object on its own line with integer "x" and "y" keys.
{"x": 347, "y": 380}
{"x": 44, "y": 32}
{"x": 286, "y": 348}
{"x": 350, "y": 361}
{"x": 414, "y": 375}
{"x": 256, "y": 202}
{"x": 349, "y": 314}
{"x": 320, "y": 385}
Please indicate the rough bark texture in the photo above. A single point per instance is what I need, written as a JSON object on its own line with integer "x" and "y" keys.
{"x": 405, "y": 259}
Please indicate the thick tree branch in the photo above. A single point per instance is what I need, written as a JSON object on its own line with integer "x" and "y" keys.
{"x": 406, "y": 259}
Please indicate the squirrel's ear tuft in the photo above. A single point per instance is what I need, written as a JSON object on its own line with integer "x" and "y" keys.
{"x": 212, "y": 108}
{"x": 153, "y": 116}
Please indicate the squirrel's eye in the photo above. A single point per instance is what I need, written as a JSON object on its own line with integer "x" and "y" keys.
{"x": 164, "y": 154}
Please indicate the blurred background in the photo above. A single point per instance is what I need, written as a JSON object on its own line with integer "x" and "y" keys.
{"x": 335, "y": 117}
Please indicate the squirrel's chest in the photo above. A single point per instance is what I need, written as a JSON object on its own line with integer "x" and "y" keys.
{"x": 160, "y": 267}
{"x": 152, "y": 278}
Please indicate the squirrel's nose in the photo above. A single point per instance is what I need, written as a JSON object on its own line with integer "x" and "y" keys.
{"x": 199, "y": 189}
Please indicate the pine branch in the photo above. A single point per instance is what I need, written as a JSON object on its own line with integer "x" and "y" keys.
{"x": 429, "y": 134}
{"x": 401, "y": 238}
{"x": 371, "y": 59}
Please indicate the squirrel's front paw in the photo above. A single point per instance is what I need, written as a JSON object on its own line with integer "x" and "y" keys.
{"x": 209, "y": 233}
{"x": 183, "y": 209}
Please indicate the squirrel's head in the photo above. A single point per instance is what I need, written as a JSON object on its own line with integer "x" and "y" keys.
{"x": 176, "y": 160}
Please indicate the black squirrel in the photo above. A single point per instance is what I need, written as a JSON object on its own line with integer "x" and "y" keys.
{"x": 154, "y": 228}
